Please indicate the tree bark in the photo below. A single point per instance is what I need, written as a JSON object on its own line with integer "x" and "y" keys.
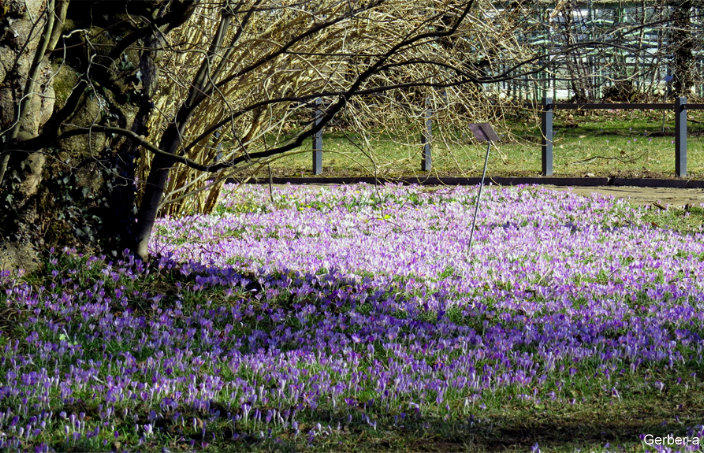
{"x": 154, "y": 191}
{"x": 171, "y": 141}
{"x": 683, "y": 45}
{"x": 124, "y": 194}
{"x": 29, "y": 93}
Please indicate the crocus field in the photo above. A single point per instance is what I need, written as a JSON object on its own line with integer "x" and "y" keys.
{"x": 357, "y": 317}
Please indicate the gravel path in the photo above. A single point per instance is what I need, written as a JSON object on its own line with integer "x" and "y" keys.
{"x": 645, "y": 195}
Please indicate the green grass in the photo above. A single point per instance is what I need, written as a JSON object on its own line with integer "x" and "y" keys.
{"x": 593, "y": 143}
{"x": 687, "y": 220}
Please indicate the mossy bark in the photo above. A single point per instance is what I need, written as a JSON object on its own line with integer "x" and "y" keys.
{"x": 56, "y": 194}
{"x": 78, "y": 190}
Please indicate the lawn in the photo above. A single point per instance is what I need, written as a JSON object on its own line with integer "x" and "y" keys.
{"x": 587, "y": 143}
{"x": 358, "y": 318}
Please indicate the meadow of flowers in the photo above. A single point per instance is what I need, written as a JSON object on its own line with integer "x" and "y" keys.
{"x": 329, "y": 317}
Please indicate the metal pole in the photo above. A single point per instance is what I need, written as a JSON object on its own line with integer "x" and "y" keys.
{"x": 481, "y": 184}
{"x": 547, "y": 133}
{"x": 318, "y": 140}
{"x": 681, "y": 137}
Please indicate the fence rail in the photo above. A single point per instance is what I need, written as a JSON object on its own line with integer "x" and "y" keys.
{"x": 679, "y": 107}
{"x": 613, "y": 106}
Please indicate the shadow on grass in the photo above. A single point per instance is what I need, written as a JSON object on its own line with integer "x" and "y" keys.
{"x": 508, "y": 423}
{"x": 517, "y": 432}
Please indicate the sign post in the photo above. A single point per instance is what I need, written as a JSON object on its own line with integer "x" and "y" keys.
{"x": 483, "y": 132}
{"x": 318, "y": 139}
{"x": 427, "y": 137}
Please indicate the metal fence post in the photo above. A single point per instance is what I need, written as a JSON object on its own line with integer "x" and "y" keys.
{"x": 681, "y": 137}
{"x": 547, "y": 133}
{"x": 426, "y": 137}
{"x": 318, "y": 139}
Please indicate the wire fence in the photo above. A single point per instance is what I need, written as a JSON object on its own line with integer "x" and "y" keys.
{"x": 679, "y": 107}
{"x": 549, "y": 106}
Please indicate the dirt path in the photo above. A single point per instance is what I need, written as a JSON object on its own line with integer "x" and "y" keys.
{"x": 645, "y": 195}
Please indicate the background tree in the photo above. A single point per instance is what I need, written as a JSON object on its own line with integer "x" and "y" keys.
{"x": 683, "y": 46}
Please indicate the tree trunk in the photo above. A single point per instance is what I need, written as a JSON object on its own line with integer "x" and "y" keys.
{"x": 84, "y": 195}
{"x": 171, "y": 141}
{"x": 26, "y": 103}
{"x": 151, "y": 200}
{"x": 156, "y": 182}
{"x": 123, "y": 200}
{"x": 683, "y": 46}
